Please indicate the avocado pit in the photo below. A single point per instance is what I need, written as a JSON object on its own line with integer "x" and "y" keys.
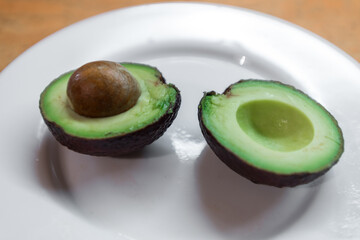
{"x": 102, "y": 89}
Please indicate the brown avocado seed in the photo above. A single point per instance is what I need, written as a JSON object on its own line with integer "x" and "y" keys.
{"x": 102, "y": 89}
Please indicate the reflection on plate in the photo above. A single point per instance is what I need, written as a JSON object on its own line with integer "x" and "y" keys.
{"x": 175, "y": 188}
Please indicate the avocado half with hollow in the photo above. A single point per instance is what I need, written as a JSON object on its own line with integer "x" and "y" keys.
{"x": 270, "y": 133}
{"x": 133, "y": 128}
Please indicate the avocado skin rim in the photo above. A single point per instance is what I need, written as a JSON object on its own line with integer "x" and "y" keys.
{"x": 118, "y": 145}
{"x": 253, "y": 173}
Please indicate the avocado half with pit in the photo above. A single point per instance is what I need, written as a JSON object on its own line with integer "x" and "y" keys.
{"x": 270, "y": 133}
{"x": 153, "y": 112}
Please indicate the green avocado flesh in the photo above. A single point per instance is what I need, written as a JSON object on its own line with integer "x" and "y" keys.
{"x": 154, "y": 101}
{"x": 275, "y": 124}
{"x": 273, "y": 127}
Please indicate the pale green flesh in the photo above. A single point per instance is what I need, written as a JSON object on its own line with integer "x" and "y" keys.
{"x": 273, "y": 127}
{"x": 276, "y": 125}
{"x": 154, "y": 101}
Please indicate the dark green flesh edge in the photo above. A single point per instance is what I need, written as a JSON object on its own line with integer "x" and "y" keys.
{"x": 253, "y": 173}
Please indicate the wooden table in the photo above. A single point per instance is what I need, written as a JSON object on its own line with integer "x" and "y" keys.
{"x": 25, "y": 22}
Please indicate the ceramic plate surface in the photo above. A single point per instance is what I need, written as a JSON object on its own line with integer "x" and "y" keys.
{"x": 175, "y": 188}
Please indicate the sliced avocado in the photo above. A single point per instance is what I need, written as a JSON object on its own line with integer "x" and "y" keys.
{"x": 270, "y": 133}
{"x": 146, "y": 121}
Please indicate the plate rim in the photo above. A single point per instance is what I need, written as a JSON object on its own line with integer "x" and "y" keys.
{"x": 164, "y": 4}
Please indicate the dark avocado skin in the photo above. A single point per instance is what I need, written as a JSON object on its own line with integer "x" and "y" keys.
{"x": 252, "y": 173}
{"x": 118, "y": 145}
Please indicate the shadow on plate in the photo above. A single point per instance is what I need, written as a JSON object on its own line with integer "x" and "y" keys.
{"x": 49, "y": 168}
{"x": 233, "y": 203}
{"x": 65, "y": 174}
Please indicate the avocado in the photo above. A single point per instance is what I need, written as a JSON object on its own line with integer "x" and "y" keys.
{"x": 270, "y": 133}
{"x": 141, "y": 123}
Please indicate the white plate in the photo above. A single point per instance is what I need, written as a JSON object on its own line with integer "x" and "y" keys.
{"x": 176, "y": 188}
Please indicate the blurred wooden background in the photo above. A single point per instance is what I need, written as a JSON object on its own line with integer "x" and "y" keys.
{"x": 25, "y": 22}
